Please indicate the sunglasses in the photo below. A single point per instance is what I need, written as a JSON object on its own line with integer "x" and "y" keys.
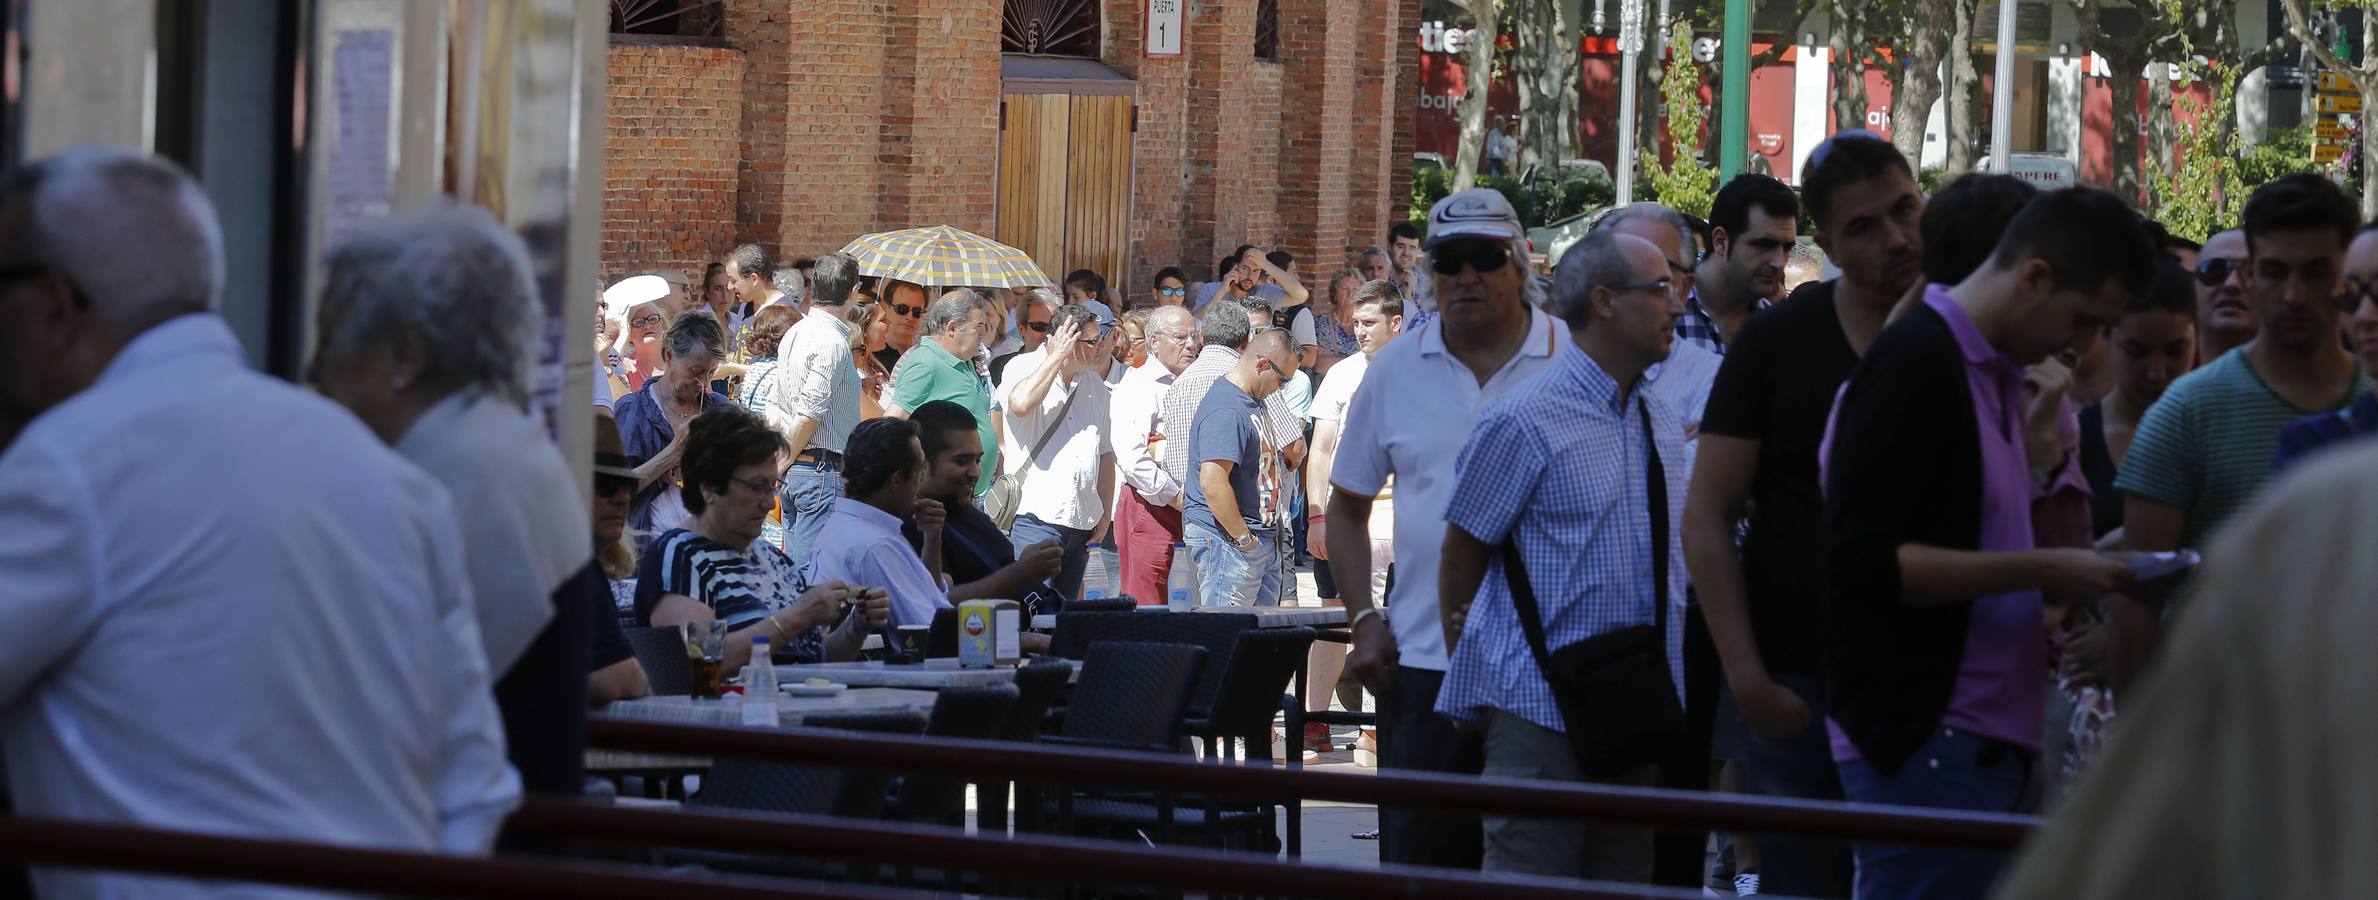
{"x": 1172, "y": 292}
{"x": 1483, "y": 256}
{"x": 903, "y": 309}
{"x": 1042, "y": 327}
{"x": 610, "y": 485}
{"x": 2214, "y": 271}
{"x": 2351, "y": 292}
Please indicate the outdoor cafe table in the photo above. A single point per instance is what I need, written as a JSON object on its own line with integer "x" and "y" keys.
{"x": 790, "y": 711}
{"x": 932, "y": 674}
{"x": 1265, "y": 616}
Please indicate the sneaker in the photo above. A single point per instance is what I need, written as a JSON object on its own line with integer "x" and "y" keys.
{"x": 1317, "y": 737}
{"x": 1366, "y": 749}
{"x": 1746, "y": 882}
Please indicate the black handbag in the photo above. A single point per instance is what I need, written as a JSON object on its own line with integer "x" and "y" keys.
{"x": 1613, "y": 689}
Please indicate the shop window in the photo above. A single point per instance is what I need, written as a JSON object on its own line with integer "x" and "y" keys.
{"x": 669, "y": 18}
{"x": 1049, "y": 27}
{"x": 1267, "y": 30}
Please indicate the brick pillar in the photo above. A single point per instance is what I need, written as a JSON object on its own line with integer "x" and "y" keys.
{"x": 1406, "y": 99}
{"x": 674, "y": 130}
{"x": 1318, "y": 56}
{"x": 812, "y": 91}
{"x": 939, "y": 141}
{"x": 1369, "y": 200}
{"x": 1159, "y": 150}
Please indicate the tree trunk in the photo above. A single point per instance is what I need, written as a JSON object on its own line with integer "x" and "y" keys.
{"x": 1962, "y": 80}
{"x": 1480, "y": 75}
{"x": 2160, "y": 126}
{"x": 2369, "y": 135}
{"x": 1848, "y": 67}
{"x": 1919, "y": 80}
{"x": 1545, "y": 70}
{"x": 2122, "y": 81}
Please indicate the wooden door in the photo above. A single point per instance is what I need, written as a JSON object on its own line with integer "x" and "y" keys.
{"x": 1065, "y": 181}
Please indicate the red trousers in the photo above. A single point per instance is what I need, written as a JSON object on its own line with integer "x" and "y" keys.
{"x": 1145, "y": 533}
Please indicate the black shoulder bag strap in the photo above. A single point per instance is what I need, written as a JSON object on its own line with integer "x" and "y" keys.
{"x": 1523, "y": 594}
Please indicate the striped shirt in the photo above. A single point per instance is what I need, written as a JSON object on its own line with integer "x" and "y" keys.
{"x": 740, "y": 587}
{"x": 1558, "y": 466}
{"x": 1189, "y": 390}
{"x": 2206, "y": 447}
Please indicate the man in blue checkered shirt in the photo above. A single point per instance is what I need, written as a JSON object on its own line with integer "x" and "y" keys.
{"x": 1559, "y": 467}
{"x": 1752, "y": 224}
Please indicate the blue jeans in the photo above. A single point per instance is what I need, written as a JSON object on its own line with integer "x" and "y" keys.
{"x": 1800, "y": 767}
{"x": 1029, "y": 530}
{"x": 810, "y": 489}
{"x": 1227, "y": 576}
{"x": 1952, "y": 770}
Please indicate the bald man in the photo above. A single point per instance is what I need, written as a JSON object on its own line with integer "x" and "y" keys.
{"x": 319, "y": 672}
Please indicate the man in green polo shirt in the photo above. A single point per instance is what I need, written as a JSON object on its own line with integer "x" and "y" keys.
{"x": 2204, "y": 451}
{"x": 942, "y": 368}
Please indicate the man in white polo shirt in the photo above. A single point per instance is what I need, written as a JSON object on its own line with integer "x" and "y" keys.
{"x": 1408, "y": 421}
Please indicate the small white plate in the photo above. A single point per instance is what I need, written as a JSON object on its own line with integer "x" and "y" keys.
{"x": 814, "y": 690}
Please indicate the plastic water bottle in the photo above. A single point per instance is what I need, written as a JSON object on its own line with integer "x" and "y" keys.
{"x": 1180, "y": 587}
{"x": 759, "y": 686}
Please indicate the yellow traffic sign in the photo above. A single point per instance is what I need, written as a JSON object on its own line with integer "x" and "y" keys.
{"x": 2327, "y": 153}
{"x": 2337, "y": 103}
{"x": 2335, "y": 83}
{"x": 2328, "y": 130}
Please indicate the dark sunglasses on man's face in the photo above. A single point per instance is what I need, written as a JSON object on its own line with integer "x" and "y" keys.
{"x": 2214, "y": 271}
{"x": 1042, "y": 327}
{"x": 1479, "y": 256}
{"x": 2351, "y": 292}
{"x": 903, "y": 309}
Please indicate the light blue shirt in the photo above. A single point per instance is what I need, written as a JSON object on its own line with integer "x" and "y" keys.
{"x": 861, "y": 545}
{"x": 234, "y": 610}
{"x": 1559, "y": 465}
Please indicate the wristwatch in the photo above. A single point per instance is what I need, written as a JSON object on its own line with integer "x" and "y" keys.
{"x": 1244, "y": 542}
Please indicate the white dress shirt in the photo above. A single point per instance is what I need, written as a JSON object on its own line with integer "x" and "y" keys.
{"x": 1683, "y": 381}
{"x": 1409, "y": 420}
{"x": 1061, "y": 487}
{"x": 517, "y": 506}
{"x": 234, "y": 610}
{"x": 861, "y": 545}
{"x": 1137, "y": 416}
{"x": 815, "y": 379}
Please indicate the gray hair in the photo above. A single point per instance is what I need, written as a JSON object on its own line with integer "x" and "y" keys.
{"x": 451, "y": 278}
{"x": 1045, "y": 297}
{"x": 954, "y": 308}
{"x": 831, "y": 281}
{"x": 1378, "y": 251}
{"x": 1166, "y": 315}
{"x": 1658, "y": 214}
{"x": 1595, "y": 261}
{"x": 1225, "y": 324}
{"x": 1069, "y": 314}
{"x": 132, "y": 232}
{"x": 695, "y": 331}
{"x": 1533, "y": 288}
{"x": 786, "y": 280}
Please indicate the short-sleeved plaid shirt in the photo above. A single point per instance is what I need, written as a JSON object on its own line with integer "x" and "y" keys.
{"x": 1698, "y": 326}
{"x": 1558, "y": 465}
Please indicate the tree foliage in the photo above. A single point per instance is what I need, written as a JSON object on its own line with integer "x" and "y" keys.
{"x": 1685, "y": 183}
{"x": 2199, "y": 193}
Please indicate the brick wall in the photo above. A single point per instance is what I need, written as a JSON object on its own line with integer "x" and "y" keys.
{"x": 670, "y": 149}
{"x": 843, "y": 117}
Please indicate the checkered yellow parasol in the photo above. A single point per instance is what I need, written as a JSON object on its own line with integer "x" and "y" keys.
{"x": 941, "y": 256}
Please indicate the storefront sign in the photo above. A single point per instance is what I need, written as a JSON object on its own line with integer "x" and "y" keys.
{"x": 1436, "y": 38}
{"x": 1164, "y": 27}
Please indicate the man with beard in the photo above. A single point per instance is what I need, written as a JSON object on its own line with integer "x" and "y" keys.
{"x": 1758, "y": 454}
{"x": 2223, "y": 319}
{"x": 2205, "y": 449}
{"x": 1751, "y": 227}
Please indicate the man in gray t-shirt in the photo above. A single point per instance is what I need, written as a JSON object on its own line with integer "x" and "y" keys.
{"x": 1233, "y": 506}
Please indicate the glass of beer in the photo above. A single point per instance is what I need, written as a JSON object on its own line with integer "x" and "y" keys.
{"x": 706, "y": 649}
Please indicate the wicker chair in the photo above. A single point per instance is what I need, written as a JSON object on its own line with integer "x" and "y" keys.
{"x": 661, "y": 651}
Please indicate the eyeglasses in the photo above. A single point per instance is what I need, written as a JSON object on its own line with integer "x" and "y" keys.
{"x": 2351, "y": 292}
{"x": 770, "y": 487}
{"x": 1172, "y": 292}
{"x": 2214, "y": 271}
{"x": 641, "y": 321}
{"x": 903, "y": 309}
{"x": 1042, "y": 327}
{"x": 1485, "y": 256}
{"x": 1661, "y": 285}
{"x": 1816, "y": 158}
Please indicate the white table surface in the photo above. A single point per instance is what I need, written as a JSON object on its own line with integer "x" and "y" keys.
{"x": 930, "y": 674}
{"x": 1265, "y": 616}
{"x": 790, "y": 711}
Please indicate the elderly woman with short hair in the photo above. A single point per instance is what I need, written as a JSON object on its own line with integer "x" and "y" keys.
{"x": 716, "y": 568}
{"x": 652, "y": 420}
{"x": 428, "y": 324}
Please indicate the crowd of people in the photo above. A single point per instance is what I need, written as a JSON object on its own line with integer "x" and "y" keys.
{"x": 1672, "y": 513}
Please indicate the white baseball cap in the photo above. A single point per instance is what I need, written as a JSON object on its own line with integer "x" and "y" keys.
{"x": 1474, "y": 213}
